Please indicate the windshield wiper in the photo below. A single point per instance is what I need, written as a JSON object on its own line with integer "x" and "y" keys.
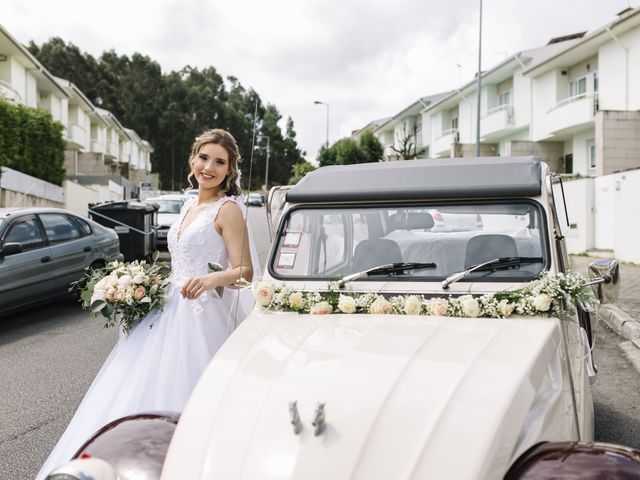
{"x": 495, "y": 264}
{"x": 382, "y": 269}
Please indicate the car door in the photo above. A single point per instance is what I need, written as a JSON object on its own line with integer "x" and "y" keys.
{"x": 24, "y": 277}
{"x": 70, "y": 251}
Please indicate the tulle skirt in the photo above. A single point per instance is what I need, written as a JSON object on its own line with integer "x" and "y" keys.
{"x": 154, "y": 367}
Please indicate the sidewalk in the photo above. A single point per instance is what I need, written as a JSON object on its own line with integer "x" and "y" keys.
{"x": 624, "y": 315}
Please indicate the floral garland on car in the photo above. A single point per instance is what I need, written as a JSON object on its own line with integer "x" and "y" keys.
{"x": 550, "y": 294}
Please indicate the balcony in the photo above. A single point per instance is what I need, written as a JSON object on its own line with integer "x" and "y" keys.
{"x": 97, "y": 146}
{"x": 9, "y": 93}
{"x": 75, "y": 136}
{"x": 113, "y": 149}
{"x": 441, "y": 146}
{"x": 497, "y": 122}
{"x": 570, "y": 114}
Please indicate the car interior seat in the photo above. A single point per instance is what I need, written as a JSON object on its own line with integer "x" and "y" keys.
{"x": 483, "y": 248}
{"x": 419, "y": 221}
{"x": 373, "y": 252}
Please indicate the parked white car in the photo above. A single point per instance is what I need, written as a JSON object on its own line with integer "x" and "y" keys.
{"x": 168, "y": 213}
{"x": 380, "y": 349}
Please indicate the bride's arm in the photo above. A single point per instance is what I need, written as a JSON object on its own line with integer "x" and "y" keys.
{"x": 231, "y": 225}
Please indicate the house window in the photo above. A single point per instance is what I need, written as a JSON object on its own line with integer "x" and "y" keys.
{"x": 591, "y": 154}
{"x": 454, "y": 123}
{"x": 568, "y": 163}
{"x": 504, "y": 98}
{"x": 578, "y": 87}
{"x": 595, "y": 81}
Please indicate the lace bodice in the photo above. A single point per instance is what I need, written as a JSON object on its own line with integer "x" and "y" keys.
{"x": 197, "y": 243}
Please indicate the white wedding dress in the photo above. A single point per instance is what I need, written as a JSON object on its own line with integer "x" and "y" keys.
{"x": 157, "y": 365}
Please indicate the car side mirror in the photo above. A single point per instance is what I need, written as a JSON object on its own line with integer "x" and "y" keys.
{"x": 604, "y": 277}
{"x": 275, "y": 203}
{"x": 10, "y": 249}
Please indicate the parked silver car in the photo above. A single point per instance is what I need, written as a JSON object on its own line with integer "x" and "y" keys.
{"x": 44, "y": 250}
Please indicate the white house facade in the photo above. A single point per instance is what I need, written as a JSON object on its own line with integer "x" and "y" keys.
{"x": 98, "y": 149}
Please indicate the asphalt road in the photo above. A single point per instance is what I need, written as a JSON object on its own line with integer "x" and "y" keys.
{"x": 49, "y": 356}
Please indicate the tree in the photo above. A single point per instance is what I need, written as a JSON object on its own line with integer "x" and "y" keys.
{"x": 407, "y": 143}
{"x": 299, "y": 170}
{"x": 372, "y": 147}
{"x": 170, "y": 110}
{"x": 347, "y": 151}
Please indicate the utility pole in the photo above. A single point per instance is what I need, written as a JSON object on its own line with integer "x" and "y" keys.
{"x": 479, "y": 84}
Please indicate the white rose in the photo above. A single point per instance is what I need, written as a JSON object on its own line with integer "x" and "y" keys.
{"x": 124, "y": 280}
{"x": 102, "y": 284}
{"x": 321, "y": 308}
{"x": 381, "y": 306}
{"x": 412, "y": 305}
{"x": 264, "y": 294}
{"x": 438, "y": 307}
{"x": 542, "y": 302}
{"x": 112, "y": 281}
{"x": 346, "y": 304}
{"x": 505, "y": 308}
{"x": 139, "y": 278}
{"x": 296, "y": 301}
{"x": 470, "y": 306}
{"x": 98, "y": 295}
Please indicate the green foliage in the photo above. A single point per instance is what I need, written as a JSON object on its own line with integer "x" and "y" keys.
{"x": 372, "y": 147}
{"x": 348, "y": 151}
{"x": 171, "y": 109}
{"x": 299, "y": 170}
{"x": 31, "y": 142}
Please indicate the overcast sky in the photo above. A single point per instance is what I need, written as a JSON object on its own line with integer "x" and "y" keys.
{"x": 367, "y": 59}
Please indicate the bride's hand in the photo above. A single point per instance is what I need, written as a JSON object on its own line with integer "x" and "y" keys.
{"x": 196, "y": 286}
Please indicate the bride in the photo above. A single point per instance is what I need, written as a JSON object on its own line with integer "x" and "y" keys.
{"x": 157, "y": 365}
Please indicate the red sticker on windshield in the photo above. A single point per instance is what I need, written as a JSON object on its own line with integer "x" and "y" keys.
{"x": 286, "y": 260}
{"x": 292, "y": 239}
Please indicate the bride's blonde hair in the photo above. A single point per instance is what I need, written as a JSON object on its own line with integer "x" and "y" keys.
{"x": 225, "y": 140}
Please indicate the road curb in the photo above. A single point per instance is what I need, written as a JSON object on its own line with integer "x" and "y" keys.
{"x": 627, "y": 327}
{"x": 620, "y": 321}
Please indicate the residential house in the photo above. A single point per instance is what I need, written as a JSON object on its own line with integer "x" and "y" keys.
{"x": 403, "y": 134}
{"x": 24, "y": 81}
{"x": 587, "y": 97}
{"x": 505, "y": 111}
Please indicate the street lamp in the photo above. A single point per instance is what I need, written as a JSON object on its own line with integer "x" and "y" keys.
{"x": 318, "y": 102}
{"x": 266, "y": 170}
{"x": 479, "y": 86}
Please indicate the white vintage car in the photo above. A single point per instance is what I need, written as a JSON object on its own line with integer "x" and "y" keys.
{"x": 382, "y": 348}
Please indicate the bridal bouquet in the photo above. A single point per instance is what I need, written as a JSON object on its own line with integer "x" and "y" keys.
{"x": 124, "y": 292}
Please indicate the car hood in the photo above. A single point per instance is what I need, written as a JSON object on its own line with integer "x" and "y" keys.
{"x": 167, "y": 219}
{"x": 405, "y": 397}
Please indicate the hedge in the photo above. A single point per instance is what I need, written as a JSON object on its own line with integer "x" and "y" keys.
{"x": 31, "y": 142}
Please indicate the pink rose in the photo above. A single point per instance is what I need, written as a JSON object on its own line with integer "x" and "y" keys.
{"x": 381, "y": 306}
{"x": 321, "y": 308}
{"x": 139, "y": 293}
{"x": 118, "y": 295}
{"x": 264, "y": 295}
{"x": 438, "y": 307}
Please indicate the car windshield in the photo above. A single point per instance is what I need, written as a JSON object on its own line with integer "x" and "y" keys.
{"x": 330, "y": 242}
{"x": 169, "y": 206}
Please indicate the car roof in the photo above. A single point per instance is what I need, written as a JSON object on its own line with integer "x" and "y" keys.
{"x": 166, "y": 197}
{"x": 438, "y": 178}
{"x": 11, "y": 211}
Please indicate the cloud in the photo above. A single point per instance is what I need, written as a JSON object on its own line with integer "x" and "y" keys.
{"x": 367, "y": 59}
